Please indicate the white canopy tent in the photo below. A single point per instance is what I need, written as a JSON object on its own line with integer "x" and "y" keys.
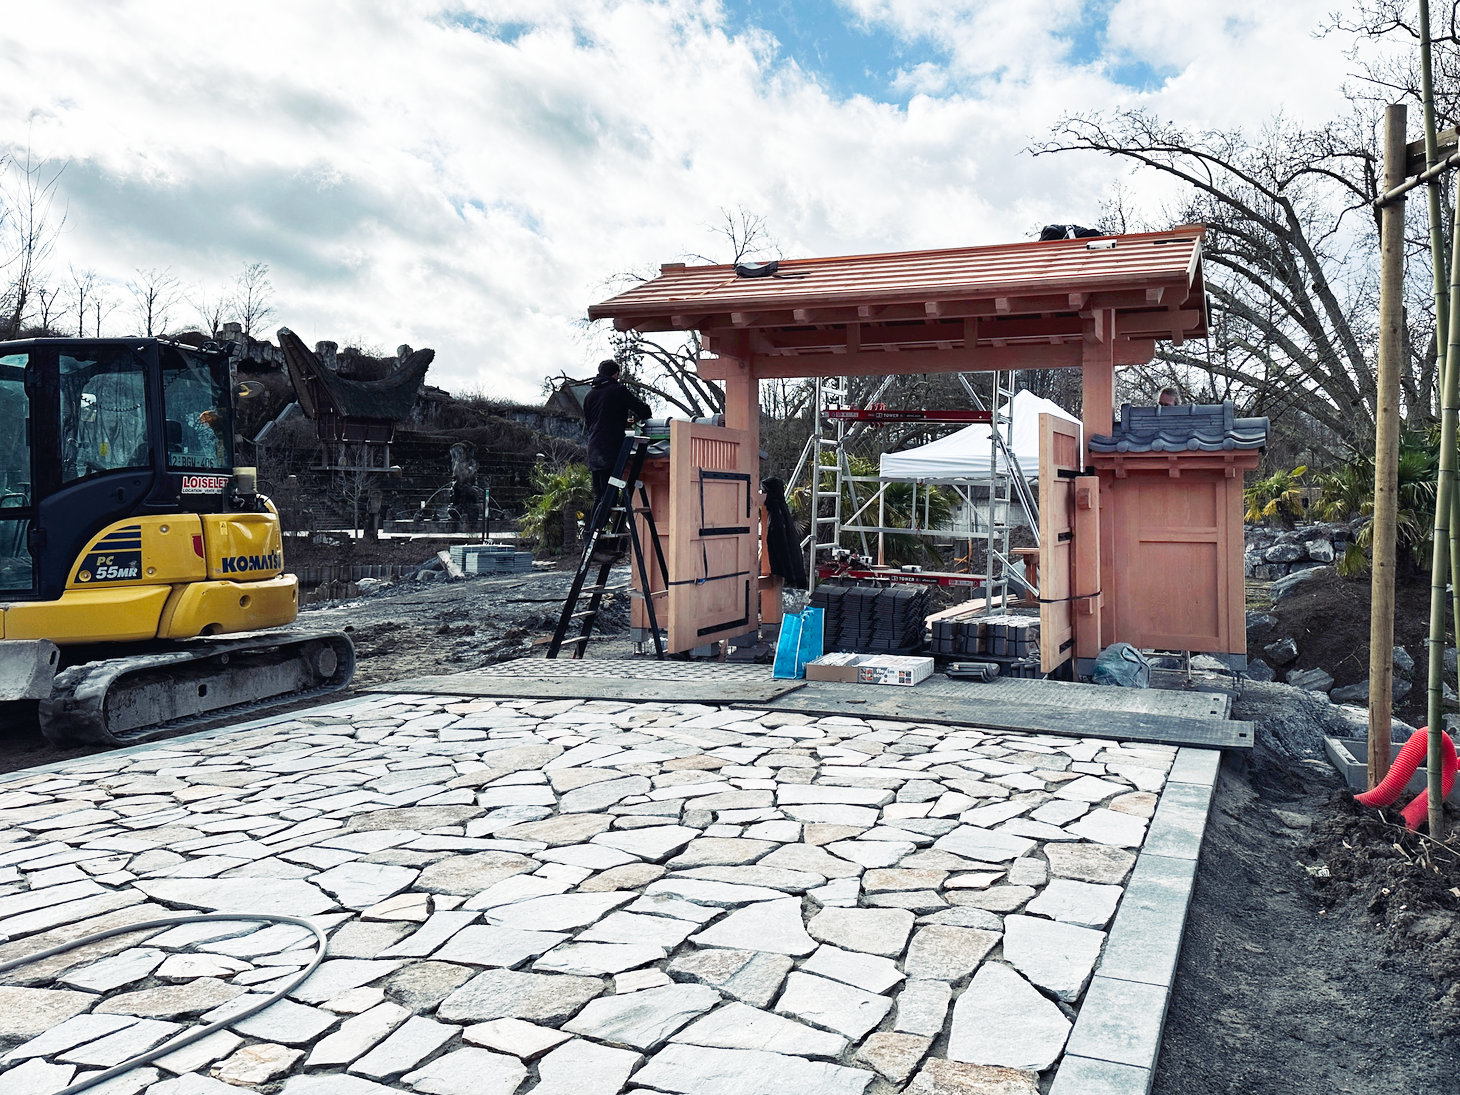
{"x": 967, "y": 454}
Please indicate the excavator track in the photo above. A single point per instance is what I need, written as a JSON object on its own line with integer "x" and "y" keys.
{"x": 129, "y": 700}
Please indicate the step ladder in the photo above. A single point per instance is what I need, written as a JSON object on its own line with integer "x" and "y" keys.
{"x": 612, "y": 531}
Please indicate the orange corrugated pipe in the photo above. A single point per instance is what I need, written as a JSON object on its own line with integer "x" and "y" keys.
{"x": 1405, "y": 765}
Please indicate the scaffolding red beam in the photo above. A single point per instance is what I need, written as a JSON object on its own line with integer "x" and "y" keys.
{"x": 827, "y": 572}
{"x": 880, "y": 415}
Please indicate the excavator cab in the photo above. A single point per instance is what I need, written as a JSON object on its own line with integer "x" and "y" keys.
{"x": 124, "y": 521}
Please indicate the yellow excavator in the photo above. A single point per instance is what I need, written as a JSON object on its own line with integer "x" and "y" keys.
{"x": 141, "y": 572}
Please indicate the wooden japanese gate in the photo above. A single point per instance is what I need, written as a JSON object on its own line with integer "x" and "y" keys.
{"x": 714, "y": 508}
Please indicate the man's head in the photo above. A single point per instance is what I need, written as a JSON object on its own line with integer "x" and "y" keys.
{"x": 1167, "y": 398}
{"x": 608, "y": 368}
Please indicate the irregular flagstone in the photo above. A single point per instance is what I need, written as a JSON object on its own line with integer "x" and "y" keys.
{"x": 257, "y": 1064}
{"x": 409, "y": 907}
{"x": 656, "y": 842}
{"x": 558, "y": 912}
{"x": 200, "y": 1053}
{"x": 893, "y": 1055}
{"x": 1055, "y": 956}
{"x": 471, "y": 874}
{"x": 1000, "y": 899}
{"x": 593, "y": 856}
{"x": 630, "y": 927}
{"x": 751, "y": 976}
{"x": 776, "y": 878}
{"x": 1111, "y": 827}
{"x": 27, "y": 1012}
{"x": 36, "y": 1077}
{"x": 70, "y": 1032}
{"x": 875, "y": 931}
{"x": 420, "y": 986}
{"x": 1001, "y": 1019}
{"x": 411, "y": 1043}
{"x": 581, "y": 1067}
{"x": 419, "y": 818}
{"x": 883, "y": 880}
{"x": 284, "y": 1021}
{"x": 871, "y": 853}
{"x": 852, "y": 817}
{"x": 939, "y": 1077}
{"x": 736, "y": 1026}
{"x": 1082, "y": 903}
{"x": 507, "y": 994}
{"x": 291, "y": 896}
{"x": 127, "y": 1042}
{"x": 436, "y": 931}
{"x": 939, "y": 953}
{"x": 628, "y": 877}
{"x": 773, "y": 926}
{"x": 850, "y": 1011}
{"x": 644, "y": 1019}
{"x": 360, "y": 885}
{"x": 921, "y": 1007}
{"x": 709, "y": 851}
{"x": 1096, "y": 863}
{"x": 866, "y": 971}
{"x": 989, "y": 845}
{"x": 337, "y": 975}
{"x": 515, "y": 1036}
{"x": 799, "y": 794}
{"x": 563, "y": 829}
{"x": 697, "y": 1070}
{"x": 597, "y": 796}
{"x": 116, "y": 971}
{"x": 493, "y": 945}
{"x": 599, "y": 958}
{"x": 1090, "y": 789}
{"x": 469, "y": 1072}
{"x": 811, "y": 859}
{"x": 169, "y": 1001}
{"x": 357, "y": 1035}
{"x": 517, "y": 888}
{"x": 706, "y": 892}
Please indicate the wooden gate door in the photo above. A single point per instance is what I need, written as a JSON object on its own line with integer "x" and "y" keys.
{"x": 1059, "y": 463}
{"x": 713, "y": 511}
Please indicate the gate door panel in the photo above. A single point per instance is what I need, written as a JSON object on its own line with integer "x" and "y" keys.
{"x": 713, "y": 511}
{"x": 1059, "y": 463}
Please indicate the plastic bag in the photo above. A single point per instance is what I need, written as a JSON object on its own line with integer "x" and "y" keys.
{"x": 1123, "y": 665}
{"x": 800, "y": 642}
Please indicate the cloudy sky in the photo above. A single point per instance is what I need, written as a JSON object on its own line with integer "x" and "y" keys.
{"x": 472, "y": 175}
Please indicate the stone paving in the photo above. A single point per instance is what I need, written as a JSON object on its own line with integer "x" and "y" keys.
{"x": 576, "y": 897}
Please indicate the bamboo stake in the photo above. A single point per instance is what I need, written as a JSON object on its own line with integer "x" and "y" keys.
{"x": 1451, "y": 385}
{"x": 1386, "y": 450}
{"x": 1444, "y": 496}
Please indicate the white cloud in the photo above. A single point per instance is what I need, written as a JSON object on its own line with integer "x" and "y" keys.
{"x": 469, "y": 175}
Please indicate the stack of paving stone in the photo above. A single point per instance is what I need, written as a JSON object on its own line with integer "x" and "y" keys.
{"x": 566, "y": 897}
{"x": 869, "y": 620}
{"x": 1011, "y": 641}
{"x": 490, "y": 559}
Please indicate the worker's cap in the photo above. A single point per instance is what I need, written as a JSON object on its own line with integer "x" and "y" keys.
{"x": 608, "y": 367}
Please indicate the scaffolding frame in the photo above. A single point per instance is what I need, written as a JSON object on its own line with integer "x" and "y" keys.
{"x": 852, "y": 497}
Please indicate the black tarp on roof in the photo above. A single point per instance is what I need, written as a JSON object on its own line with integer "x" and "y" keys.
{"x": 388, "y": 399}
{"x": 1195, "y": 427}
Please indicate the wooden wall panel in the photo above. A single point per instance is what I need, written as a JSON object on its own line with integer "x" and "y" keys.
{"x": 1059, "y": 460}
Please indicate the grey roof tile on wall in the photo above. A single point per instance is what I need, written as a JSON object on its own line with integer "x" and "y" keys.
{"x": 1194, "y": 427}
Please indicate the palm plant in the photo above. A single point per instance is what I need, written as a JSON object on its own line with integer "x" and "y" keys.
{"x": 1279, "y": 496}
{"x": 925, "y": 508}
{"x": 563, "y": 494}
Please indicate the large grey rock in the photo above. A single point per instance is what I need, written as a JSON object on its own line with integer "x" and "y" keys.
{"x": 1284, "y": 553}
{"x": 506, "y": 994}
{"x": 1403, "y": 663}
{"x": 1259, "y": 670}
{"x": 1313, "y": 680}
{"x": 1282, "y": 651}
{"x": 1320, "y": 551}
{"x": 1001, "y": 1019}
{"x": 1351, "y": 693}
{"x": 1055, "y": 956}
{"x": 773, "y": 926}
{"x": 1285, "y": 586}
{"x": 697, "y": 1070}
{"x": 644, "y": 1019}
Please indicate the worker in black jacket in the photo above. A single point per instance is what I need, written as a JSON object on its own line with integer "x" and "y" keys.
{"x": 607, "y": 411}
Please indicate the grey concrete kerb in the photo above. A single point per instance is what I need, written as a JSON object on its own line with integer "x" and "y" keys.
{"x": 1117, "y": 1036}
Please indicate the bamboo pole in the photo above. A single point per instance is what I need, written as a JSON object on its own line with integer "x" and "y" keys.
{"x": 1444, "y": 497}
{"x": 1386, "y": 449}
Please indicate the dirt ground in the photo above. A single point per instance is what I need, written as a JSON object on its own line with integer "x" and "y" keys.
{"x": 1323, "y": 945}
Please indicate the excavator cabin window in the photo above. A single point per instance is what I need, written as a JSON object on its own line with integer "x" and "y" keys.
{"x": 196, "y": 403}
{"x": 16, "y": 571}
{"x": 103, "y": 412}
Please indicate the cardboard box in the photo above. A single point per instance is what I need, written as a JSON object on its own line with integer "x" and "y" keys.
{"x": 869, "y": 669}
{"x": 894, "y": 669}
